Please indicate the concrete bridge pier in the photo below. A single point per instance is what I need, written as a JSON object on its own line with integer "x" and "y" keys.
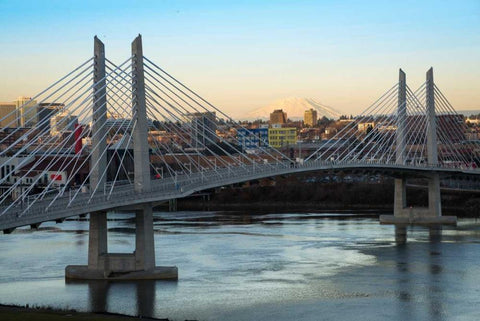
{"x": 172, "y": 205}
{"x": 139, "y": 265}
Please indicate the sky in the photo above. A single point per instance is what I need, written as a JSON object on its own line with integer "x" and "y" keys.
{"x": 242, "y": 55}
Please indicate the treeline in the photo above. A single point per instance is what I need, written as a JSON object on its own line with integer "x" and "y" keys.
{"x": 332, "y": 193}
{"x": 334, "y": 196}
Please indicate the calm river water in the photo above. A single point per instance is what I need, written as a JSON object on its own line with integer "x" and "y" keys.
{"x": 258, "y": 267}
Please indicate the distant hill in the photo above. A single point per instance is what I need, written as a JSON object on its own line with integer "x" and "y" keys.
{"x": 295, "y": 108}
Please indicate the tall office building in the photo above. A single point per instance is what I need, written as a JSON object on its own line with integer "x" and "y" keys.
{"x": 278, "y": 117}
{"x": 8, "y": 115}
{"x": 45, "y": 112}
{"x": 204, "y": 128}
{"x": 310, "y": 117}
{"x": 26, "y": 111}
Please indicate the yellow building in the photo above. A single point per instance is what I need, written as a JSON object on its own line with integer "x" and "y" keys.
{"x": 310, "y": 118}
{"x": 280, "y": 137}
{"x": 8, "y": 115}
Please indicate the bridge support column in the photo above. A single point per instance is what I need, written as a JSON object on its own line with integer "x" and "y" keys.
{"x": 144, "y": 242}
{"x": 172, "y": 205}
{"x": 97, "y": 240}
{"x": 434, "y": 198}
{"x": 400, "y": 197}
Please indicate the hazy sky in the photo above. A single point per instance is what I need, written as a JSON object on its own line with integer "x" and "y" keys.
{"x": 241, "y": 55}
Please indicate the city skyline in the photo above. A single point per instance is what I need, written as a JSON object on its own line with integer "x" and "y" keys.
{"x": 244, "y": 56}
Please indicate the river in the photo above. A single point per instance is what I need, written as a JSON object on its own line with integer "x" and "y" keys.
{"x": 237, "y": 266}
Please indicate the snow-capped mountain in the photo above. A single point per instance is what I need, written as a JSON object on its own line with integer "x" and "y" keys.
{"x": 295, "y": 108}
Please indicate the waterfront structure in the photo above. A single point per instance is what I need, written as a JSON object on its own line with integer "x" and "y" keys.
{"x": 280, "y": 137}
{"x": 189, "y": 169}
{"x": 310, "y": 117}
{"x": 8, "y": 116}
{"x": 278, "y": 116}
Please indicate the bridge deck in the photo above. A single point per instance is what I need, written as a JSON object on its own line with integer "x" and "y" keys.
{"x": 57, "y": 207}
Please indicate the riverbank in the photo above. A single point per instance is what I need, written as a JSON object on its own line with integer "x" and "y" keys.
{"x": 18, "y": 313}
{"x": 280, "y": 207}
{"x": 295, "y": 195}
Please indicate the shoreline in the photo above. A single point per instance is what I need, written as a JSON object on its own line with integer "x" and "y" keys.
{"x": 360, "y": 209}
{"x": 17, "y": 312}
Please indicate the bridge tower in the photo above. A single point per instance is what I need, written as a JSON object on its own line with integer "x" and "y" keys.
{"x": 141, "y": 263}
{"x": 400, "y": 199}
{"x": 403, "y": 214}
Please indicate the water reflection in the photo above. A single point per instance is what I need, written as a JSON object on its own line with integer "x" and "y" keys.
{"x": 435, "y": 278}
{"x": 145, "y": 298}
{"x": 400, "y": 234}
{"x": 411, "y": 266}
{"x": 97, "y": 295}
{"x": 100, "y": 292}
{"x": 404, "y": 283}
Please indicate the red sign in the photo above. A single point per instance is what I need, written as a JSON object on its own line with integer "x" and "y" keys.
{"x": 56, "y": 177}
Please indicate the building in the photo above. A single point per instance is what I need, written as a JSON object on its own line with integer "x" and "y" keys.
{"x": 452, "y": 127}
{"x": 8, "y": 115}
{"x": 278, "y": 117}
{"x": 45, "y": 112}
{"x": 26, "y": 111}
{"x": 252, "y": 138}
{"x": 281, "y": 137}
{"x": 365, "y": 125}
{"x": 8, "y": 175}
{"x": 204, "y": 127}
{"x": 61, "y": 123}
{"x": 473, "y": 120}
{"x": 310, "y": 117}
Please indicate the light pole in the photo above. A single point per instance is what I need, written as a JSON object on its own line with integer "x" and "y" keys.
{"x": 189, "y": 165}
{"x": 300, "y": 150}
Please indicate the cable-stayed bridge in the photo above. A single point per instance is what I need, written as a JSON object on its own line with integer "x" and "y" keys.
{"x": 127, "y": 136}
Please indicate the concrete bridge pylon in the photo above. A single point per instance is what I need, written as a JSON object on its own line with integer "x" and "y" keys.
{"x": 402, "y": 213}
{"x": 139, "y": 265}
